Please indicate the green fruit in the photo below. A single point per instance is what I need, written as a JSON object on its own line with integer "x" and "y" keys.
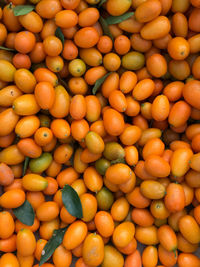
{"x": 133, "y": 60}
{"x": 113, "y": 151}
{"x": 105, "y": 199}
{"x": 102, "y": 165}
{"x": 41, "y": 163}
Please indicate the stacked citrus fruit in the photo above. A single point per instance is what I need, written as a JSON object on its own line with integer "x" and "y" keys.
{"x": 100, "y": 133}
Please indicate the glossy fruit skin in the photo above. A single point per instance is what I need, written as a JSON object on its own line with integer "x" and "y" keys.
{"x": 89, "y": 206}
{"x": 9, "y": 258}
{"x": 7, "y": 71}
{"x": 75, "y": 235}
{"x": 11, "y": 155}
{"x": 133, "y": 259}
{"x": 142, "y": 217}
{"x": 123, "y": 234}
{"x": 150, "y": 256}
{"x": 8, "y": 94}
{"x": 47, "y": 211}
{"x": 93, "y": 242}
{"x": 112, "y": 256}
{"x": 26, "y": 242}
{"x": 153, "y": 162}
{"x": 11, "y": 117}
{"x": 41, "y": 163}
{"x": 166, "y": 257}
{"x": 94, "y": 142}
{"x": 192, "y": 232}
{"x": 185, "y": 259}
{"x": 133, "y": 61}
{"x": 184, "y": 245}
{"x": 122, "y": 170}
{"x": 7, "y": 225}
{"x": 92, "y": 179}
{"x": 113, "y": 151}
{"x": 27, "y": 126}
{"x": 103, "y": 216}
{"x": 104, "y": 199}
{"x": 35, "y": 19}
{"x": 90, "y": 34}
{"x": 160, "y": 108}
{"x": 61, "y": 255}
{"x": 25, "y": 105}
{"x": 179, "y": 113}
{"x": 171, "y": 198}
{"x": 190, "y": 95}
{"x": 60, "y": 108}
{"x": 12, "y": 198}
{"x": 34, "y": 182}
{"x": 152, "y": 31}
{"x": 147, "y": 235}
{"x": 120, "y": 209}
{"x": 44, "y": 90}
{"x": 148, "y": 11}
{"x": 152, "y": 189}
{"x": 167, "y": 238}
{"x": 180, "y": 156}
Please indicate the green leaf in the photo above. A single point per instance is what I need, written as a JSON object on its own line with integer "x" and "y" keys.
{"x": 52, "y": 244}
{"x": 72, "y": 201}
{"x": 26, "y": 162}
{"x": 22, "y": 10}
{"x": 59, "y": 34}
{"x": 117, "y": 19}
{"x": 25, "y": 213}
{"x": 101, "y": 3}
{"x": 99, "y": 82}
{"x": 6, "y": 48}
{"x": 105, "y": 27}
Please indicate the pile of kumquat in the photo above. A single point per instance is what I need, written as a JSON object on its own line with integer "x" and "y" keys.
{"x": 100, "y": 133}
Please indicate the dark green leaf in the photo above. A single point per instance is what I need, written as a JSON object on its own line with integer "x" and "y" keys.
{"x": 120, "y": 160}
{"x": 52, "y": 244}
{"x": 6, "y": 48}
{"x": 72, "y": 201}
{"x": 101, "y": 3}
{"x": 25, "y": 213}
{"x": 99, "y": 82}
{"x": 105, "y": 27}
{"x": 59, "y": 34}
{"x": 22, "y": 10}
{"x": 117, "y": 19}
{"x": 26, "y": 162}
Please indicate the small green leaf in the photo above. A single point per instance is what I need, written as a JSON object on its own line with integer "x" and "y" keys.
{"x": 6, "y": 48}
{"x": 105, "y": 27}
{"x": 25, "y": 213}
{"x": 117, "y": 19}
{"x": 22, "y": 10}
{"x": 72, "y": 201}
{"x": 59, "y": 34}
{"x": 26, "y": 162}
{"x": 99, "y": 82}
{"x": 120, "y": 160}
{"x": 52, "y": 244}
{"x": 101, "y": 3}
